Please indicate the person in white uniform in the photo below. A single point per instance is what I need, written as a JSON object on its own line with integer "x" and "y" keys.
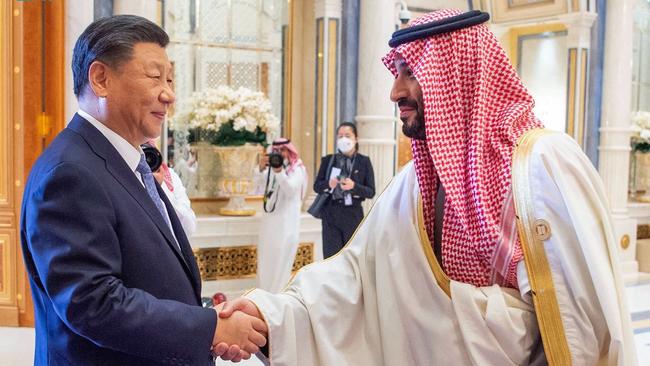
{"x": 286, "y": 186}
{"x": 494, "y": 247}
{"x": 175, "y": 191}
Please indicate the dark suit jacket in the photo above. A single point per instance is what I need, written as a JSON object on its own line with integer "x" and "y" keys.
{"x": 362, "y": 174}
{"x": 110, "y": 285}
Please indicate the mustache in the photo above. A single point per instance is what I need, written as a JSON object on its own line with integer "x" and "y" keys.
{"x": 404, "y": 102}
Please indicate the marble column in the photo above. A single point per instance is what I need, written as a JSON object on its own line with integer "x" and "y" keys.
{"x": 78, "y": 16}
{"x": 349, "y": 59}
{"x": 375, "y": 112}
{"x": 578, "y": 44}
{"x": 144, "y": 8}
{"x": 615, "y": 130}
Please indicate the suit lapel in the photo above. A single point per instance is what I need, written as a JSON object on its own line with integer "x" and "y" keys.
{"x": 183, "y": 243}
{"x": 116, "y": 165}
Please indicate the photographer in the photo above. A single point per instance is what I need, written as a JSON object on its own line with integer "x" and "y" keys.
{"x": 286, "y": 185}
{"x": 350, "y": 180}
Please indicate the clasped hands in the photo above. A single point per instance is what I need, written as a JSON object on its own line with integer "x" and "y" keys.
{"x": 240, "y": 332}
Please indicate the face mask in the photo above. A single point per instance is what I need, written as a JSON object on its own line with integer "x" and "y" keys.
{"x": 345, "y": 144}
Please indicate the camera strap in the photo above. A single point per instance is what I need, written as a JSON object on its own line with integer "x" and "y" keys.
{"x": 268, "y": 192}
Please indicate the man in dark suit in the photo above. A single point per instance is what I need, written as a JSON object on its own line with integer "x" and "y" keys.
{"x": 112, "y": 273}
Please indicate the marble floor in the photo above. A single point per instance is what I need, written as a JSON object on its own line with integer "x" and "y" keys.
{"x": 17, "y": 344}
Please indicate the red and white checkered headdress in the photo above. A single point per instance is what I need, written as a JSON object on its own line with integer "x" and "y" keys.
{"x": 475, "y": 109}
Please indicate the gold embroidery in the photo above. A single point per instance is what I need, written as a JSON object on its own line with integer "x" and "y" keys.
{"x": 547, "y": 309}
{"x": 441, "y": 277}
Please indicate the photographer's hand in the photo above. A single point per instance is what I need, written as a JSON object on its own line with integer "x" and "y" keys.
{"x": 278, "y": 169}
{"x": 264, "y": 162}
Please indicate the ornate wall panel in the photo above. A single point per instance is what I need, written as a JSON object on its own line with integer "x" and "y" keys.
{"x": 239, "y": 262}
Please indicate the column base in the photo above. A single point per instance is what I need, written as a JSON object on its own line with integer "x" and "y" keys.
{"x": 625, "y": 239}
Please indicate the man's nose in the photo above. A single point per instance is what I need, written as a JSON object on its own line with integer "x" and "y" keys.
{"x": 398, "y": 91}
{"x": 168, "y": 96}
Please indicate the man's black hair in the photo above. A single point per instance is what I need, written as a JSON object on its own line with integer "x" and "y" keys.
{"x": 111, "y": 41}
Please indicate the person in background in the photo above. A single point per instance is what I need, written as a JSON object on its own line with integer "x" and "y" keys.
{"x": 286, "y": 186}
{"x": 351, "y": 180}
{"x": 173, "y": 187}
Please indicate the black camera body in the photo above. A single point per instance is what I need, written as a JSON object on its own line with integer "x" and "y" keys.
{"x": 153, "y": 156}
{"x": 275, "y": 160}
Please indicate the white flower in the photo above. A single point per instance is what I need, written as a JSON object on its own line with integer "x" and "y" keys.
{"x": 645, "y": 134}
{"x": 211, "y": 108}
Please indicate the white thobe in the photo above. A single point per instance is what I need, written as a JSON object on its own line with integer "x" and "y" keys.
{"x": 280, "y": 230}
{"x": 181, "y": 202}
{"x": 379, "y": 302}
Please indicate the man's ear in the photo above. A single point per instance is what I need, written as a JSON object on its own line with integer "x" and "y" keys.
{"x": 98, "y": 73}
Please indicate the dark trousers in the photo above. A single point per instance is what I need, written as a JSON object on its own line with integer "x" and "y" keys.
{"x": 339, "y": 223}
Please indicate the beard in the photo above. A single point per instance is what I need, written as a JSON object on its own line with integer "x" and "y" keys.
{"x": 414, "y": 129}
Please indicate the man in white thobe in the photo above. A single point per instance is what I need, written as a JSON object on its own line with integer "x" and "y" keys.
{"x": 279, "y": 232}
{"x": 494, "y": 247}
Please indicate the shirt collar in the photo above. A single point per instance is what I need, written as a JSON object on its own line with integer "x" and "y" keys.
{"x": 130, "y": 154}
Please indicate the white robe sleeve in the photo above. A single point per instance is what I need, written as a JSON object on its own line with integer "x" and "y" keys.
{"x": 181, "y": 203}
{"x": 582, "y": 253}
{"x": 292, "y": 183}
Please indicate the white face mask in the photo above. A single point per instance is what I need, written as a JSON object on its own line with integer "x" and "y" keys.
{"x": 345, "y": 144}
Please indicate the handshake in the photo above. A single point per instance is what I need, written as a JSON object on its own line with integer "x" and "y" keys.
{"x": 240, "y": 332}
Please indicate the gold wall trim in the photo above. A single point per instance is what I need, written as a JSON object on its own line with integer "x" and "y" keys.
{"x": 332, "y": 77}
{"x": 240, "y": 262}
{"x": 6, "y": 106}
{"x": 547, "y": 309}
{"x": 288, "y": 71}
{"x": 584, "y": 57}
{"x": 517, "y": 32}
{"x": 6, "y": 220}
{"x": 571, "y": 93}
{"x": 320, "y": 59}
{"x": 438, "y": 273}
{"x": 3, "y": 266}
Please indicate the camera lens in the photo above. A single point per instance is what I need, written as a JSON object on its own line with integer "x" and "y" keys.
{"x": 275, "y": 160}
{"x": 153, "y": 156}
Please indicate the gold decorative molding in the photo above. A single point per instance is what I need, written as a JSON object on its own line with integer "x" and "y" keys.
{"x": 517, "y": 32}
{"x": 304, "y": 256}
{"x": 625, "y": 241}
{"x": 3, "y": 265}
{"x": 643, "y": 231}
{"x": 6, "y": 221}
{"x": 240, "y": 262}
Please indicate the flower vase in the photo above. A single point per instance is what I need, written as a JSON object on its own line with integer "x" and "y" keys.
{"x": 237, "y": 165}
{"x": 208, "y": 170}
{"x": 641, "y": 176}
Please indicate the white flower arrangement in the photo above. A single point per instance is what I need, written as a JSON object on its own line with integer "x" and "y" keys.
{"x": 641, "y": 124}
{"x": 230, "y": 117}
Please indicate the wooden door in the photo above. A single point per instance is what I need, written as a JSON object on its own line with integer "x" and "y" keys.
{"x": 31, "y": 114}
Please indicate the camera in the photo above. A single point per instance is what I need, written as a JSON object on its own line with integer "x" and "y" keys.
{"x": 275, "y": 160}
{"x": 153, "y": 156}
